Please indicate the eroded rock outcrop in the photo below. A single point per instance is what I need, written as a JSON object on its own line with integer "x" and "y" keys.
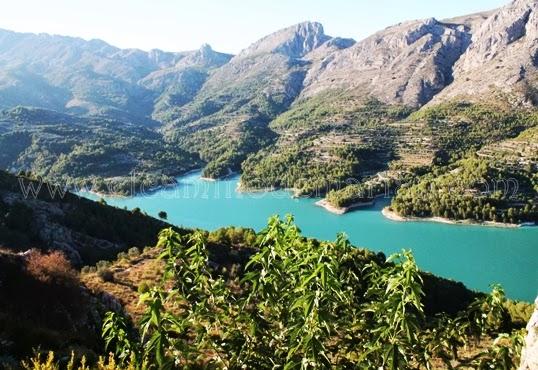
{"x": 502, "y": 56}
{"x": 56, "y": 236}
{"x": 405, "y": 64}
{"x": 294, "y": 41}
{"x": 529, "y": 357}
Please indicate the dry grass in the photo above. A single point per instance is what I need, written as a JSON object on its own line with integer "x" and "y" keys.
{"x": 128, "y": 275}
{"x": 51, "y": 268}
{"x": 466, "y": 356}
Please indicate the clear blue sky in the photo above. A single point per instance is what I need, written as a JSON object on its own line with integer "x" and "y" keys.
{"x": 228, "y": 25}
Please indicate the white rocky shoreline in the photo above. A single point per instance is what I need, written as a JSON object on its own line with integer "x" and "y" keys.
{"x": 342, "y": 210}
{"x": 391, "y": 215}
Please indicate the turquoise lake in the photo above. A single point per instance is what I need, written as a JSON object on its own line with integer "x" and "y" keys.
{"x": 476, "y": 255}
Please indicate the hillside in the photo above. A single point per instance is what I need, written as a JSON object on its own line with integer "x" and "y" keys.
{"x": 49, "y": 219}
{"x": 414, "y": 66}
{"x": 204, "y": 300}
{"x": 42, "y": 235}
{"x": 92, "y": 77}
{"x": 472, "y": 161}
{"x": 68, "y": 308}
{"x": 97, "y": 153}
{"x": 296, "y": 109}
{"x": 228, "y": 119}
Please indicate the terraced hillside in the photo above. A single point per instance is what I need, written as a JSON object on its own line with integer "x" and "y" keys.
{"x": 80, "y": 152}
{"x": 296, "y": 109}
{"x": 519, "y": 153}
{"x": 497, "y": 183}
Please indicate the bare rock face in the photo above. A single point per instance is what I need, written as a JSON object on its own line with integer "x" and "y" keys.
{"x": 405, "y": 64}
{"x": 55, "y": 235}
{"x": 205, "y": 57}
{"x": 503, "y": 28}
{"x": 295, "y": 41}
{"x": 529, "y": 357}
{"x": 502, "y": 56}
{"x": 269, "y": 72}
{"x": 270, "y": 61}
{"x": 178, "y": 84}
{"x": 472, "y": 21}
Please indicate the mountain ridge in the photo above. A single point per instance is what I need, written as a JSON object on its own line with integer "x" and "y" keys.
{"x": 225, "y": 108}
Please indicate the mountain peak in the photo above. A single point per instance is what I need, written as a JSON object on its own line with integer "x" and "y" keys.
{"x": 501, "y": 56}
{"x": 294, "y": 41}
{"x": 407, "y": 63}
{"x": 205, "y": 48}
{"x": 204, "y": 57}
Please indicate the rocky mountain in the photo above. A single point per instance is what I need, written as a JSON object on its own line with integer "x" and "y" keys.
{"x": 414, "y": 62}
{"x": 502, "y": 57}
{"x": 87, "y": 77}
{"x": 529, "y": 357}
{"x": 179, "y": 84}
{"x": 359, "y": 97}
{"x": 262, "y": 80}
{"x": 228, "y": 118}
{"x": 405, "y": 64}
{"x": 409, "y": 63}
{"x": 295, "y": 88}
{"x": 294, "y": 42}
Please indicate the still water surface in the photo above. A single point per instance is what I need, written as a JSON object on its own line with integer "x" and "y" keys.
{"x": 475, "y": 255}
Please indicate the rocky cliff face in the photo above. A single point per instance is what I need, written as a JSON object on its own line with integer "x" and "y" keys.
{"x": 406, "y": 64}
{"x": 469, "y": 57}
{"x": 270, "y": 66}
{"x": 294, "y": 42}
{"x": 529, "y": 357}
{"x": 502, "y": 56}
{"x": 85, "y": 231}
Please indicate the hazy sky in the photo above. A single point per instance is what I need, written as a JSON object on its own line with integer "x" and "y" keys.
{"x": 227, "y": 25}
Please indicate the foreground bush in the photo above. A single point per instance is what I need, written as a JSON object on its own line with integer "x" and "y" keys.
{"x": 51, "y": 268}
{"x": 300, "y": 304}
{"x": 39, "y": 362}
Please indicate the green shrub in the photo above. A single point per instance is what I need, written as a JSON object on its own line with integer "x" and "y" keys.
{"x": 122, "y": 256}
{"x": 103, "y": 265}
{"x": 133, "y": 252}
{"x": 105, "y": 274}
{"x": 143, "y": 287}
{"x": 301, "y": 304}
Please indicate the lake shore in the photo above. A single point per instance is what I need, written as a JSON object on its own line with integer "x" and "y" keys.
{"x": 391, "y": 215}
{"x": 342, "y": 210}
{"x": 211, "y": 179}
{"x": 136, "y": 193}
{"x": 365, "y": 227}
{"x": 241, "y": 189}
{"x": 144, "y": 191}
